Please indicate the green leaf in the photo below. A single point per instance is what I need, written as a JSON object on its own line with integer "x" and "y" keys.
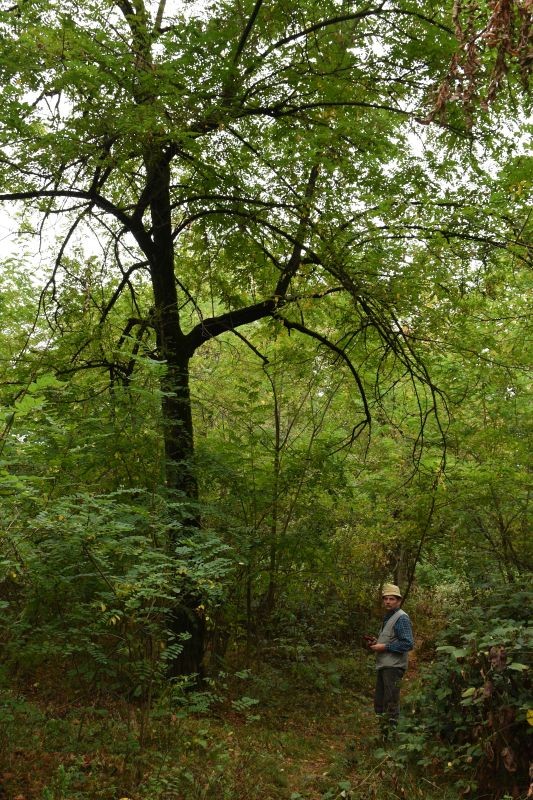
{"x": 456, "y": 652}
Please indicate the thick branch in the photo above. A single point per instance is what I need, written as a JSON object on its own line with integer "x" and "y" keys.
{"x": 126, "y": 8}
{"x": 246, "y": 32}
{"x": 159, "y": 15}
{"x": 296, "y": 255}
{"x": 213, "y": 326}
{"x": 137, "y": 231}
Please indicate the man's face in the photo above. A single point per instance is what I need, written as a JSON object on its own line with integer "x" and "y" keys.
{"x": 391, "y": 602}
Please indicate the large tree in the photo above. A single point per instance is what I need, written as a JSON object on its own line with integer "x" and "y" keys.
{"x": 250, "y": 160}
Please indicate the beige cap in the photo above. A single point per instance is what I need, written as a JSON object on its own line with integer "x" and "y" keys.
{"x": 390, "y": 588}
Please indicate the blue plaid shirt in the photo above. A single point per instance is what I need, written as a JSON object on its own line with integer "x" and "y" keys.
{"x": 403, "y": 632}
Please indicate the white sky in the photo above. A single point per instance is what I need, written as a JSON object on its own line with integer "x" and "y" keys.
{"x": 9, "y": 239}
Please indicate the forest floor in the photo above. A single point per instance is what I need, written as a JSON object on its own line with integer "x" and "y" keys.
{"x": 300, "y": 731}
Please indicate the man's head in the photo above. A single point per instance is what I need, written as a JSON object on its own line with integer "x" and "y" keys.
{"x": 391, "y": 596}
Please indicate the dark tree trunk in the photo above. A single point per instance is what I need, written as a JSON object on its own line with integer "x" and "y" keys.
{"x": 186, "y": 622}
{"x": 176, "y": 349}
{"x": 172, "y": 344}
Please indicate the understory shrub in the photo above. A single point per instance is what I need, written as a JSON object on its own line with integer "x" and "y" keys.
{"x": 90, "y": 581}
{"x": 471, "y": 716}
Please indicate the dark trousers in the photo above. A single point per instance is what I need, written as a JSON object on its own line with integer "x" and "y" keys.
{"x": 387, "y": 695}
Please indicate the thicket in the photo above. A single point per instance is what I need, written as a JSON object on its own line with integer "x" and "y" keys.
{"x": 471, "y": 718}
{"x": 89, "y": 582}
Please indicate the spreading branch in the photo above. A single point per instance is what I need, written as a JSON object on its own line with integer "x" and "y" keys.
{"x": 292, "y": 325}
{"x": 143, "y": 239}
{"x": 246, "y": 33}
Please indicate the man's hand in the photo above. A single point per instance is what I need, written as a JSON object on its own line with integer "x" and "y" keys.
{"x": 378, "y": 648}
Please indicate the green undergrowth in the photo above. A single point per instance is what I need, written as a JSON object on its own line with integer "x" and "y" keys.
{"x": 283, "y": 732}
{"x": 295, "y": 725}
{"x": 470, "y": 714}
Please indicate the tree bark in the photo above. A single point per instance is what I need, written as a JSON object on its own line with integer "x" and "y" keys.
{"x": 186, "y": 623}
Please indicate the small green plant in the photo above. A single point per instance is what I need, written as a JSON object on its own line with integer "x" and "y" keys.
{"x": 342, "y": 791}
{"x": 62, "y": 786}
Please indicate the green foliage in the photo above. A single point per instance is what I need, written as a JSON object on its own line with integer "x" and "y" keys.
{"x": 92, "y": 581}
{"x": 250, "y": 234}
{"x": 62, "y": 785}
{"x": 469, "y": 718}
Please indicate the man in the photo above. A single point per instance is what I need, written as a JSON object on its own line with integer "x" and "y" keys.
{"x": 391, "y": 648}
